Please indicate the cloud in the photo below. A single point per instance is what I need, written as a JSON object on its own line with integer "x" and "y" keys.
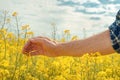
{"x": 67, "y": 3}
{"x": 66, "y": 14}
{"x": 90, "y": 4}
{"x": 110, "y": 1}
{"x": 95, "y": 18}
{"x": 93, "y": 6}
{"x": 91, "y": 10}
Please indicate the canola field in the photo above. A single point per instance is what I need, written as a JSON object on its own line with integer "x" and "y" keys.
{"x": 16, "y": 66}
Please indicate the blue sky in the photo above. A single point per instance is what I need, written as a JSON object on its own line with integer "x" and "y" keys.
{"x": 93, "y": 15}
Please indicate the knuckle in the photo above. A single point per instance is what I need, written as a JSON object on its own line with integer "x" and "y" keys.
{"x": 30, "y": 41}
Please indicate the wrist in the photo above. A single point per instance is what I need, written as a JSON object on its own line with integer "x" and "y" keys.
{"x": 56, "y": 50}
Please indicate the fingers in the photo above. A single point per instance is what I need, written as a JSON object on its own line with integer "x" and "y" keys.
{"x": 36, "y": 40}
{"x": 44, "y": 37}
{"x": 35, "y": 52}
{"x": 36, "y": 46}
{"x": 33, "y": 47}
{"x": 26, "y": 47}
{"x": 40, "y": 37}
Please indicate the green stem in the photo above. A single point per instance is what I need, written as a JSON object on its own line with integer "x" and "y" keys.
{"x": 17, "y": 54}
{"x": 4, "y": 21}
{"x": 4, "y": 44}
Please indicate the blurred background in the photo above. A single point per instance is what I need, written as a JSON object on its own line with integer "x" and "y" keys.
{"x": 83, "y": 18}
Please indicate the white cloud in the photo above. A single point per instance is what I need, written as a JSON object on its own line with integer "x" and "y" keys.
{"x": 84, "y": 1}
{"x": 95, "y": 9}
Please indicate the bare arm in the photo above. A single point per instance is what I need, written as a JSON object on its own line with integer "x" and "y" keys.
{"x": 97, "y": 43}
{"x": 44, "y": 46}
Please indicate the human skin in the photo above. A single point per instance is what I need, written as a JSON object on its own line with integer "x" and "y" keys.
{"x": 44, "y": 46}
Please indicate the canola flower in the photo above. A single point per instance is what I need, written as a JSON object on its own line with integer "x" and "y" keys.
{"x": 14, "y": 14}
{"x": 74, "y": 37}
{"x": 67, "y": 31}
{"x": 17, "y": 66}
{"x": 25, "y": 27}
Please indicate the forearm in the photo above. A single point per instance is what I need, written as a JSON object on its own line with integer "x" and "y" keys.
{"x": 98, "y": 43}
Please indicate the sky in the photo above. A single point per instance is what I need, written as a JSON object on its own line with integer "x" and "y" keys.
{"x": 93, "y": 16}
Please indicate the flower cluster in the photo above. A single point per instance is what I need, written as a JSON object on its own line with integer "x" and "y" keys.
{"x": 16, "y": 66}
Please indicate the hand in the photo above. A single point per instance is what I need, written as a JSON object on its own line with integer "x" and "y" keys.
{"x": 40, "y": 46}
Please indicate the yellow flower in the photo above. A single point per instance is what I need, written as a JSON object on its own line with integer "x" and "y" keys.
{"x": 74, "y": 38}
{"x": 30, "y": 33}
{"x": 24, "y": 27}
{"x": 74, "y": 77}
{"x": 3, "y": 31}
{"x": 23, "y": 68}
{"x": 67, "y": 31}
{"x": 56, "y": 64}
{"x": 101, "y": 74}
{"x": 5, "y": 63}
{"x": 14, "y": 14}
{"x": 62, "y": 40}
{"x": 96, "y": 54}
{"x": 59, "y": 78}
{"x": 118, "y": 71}
{"x": 6, "y": 72}
{"x": 10, "y": 35}
{"x": 109, "y": 72}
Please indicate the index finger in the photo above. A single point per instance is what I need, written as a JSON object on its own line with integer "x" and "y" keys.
{"x": 26, "y": 47}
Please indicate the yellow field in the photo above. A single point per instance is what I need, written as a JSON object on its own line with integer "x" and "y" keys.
{"x": 16, "y": 66}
